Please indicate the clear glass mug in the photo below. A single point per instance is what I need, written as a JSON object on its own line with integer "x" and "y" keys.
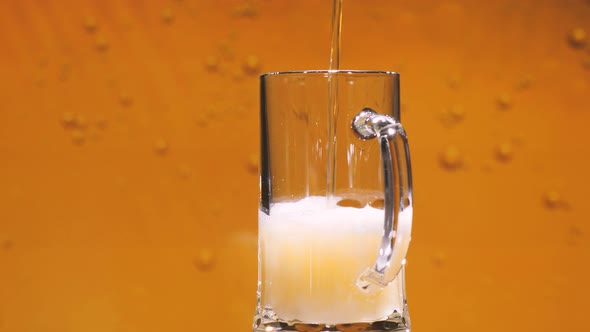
{"x": 335, "y": 211}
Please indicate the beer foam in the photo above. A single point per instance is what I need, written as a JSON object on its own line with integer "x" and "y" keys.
{"x": 312, "y": 252}
{"x": 319, "y": 213}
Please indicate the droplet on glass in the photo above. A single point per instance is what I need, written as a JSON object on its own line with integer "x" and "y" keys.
{"x": 577, "y": 38}
{"x": 504, "y": 151}
{"x": 161, "y": 147}
{"x": 204, "y": 260}
{"x": 586, "y": 62}
{"x": 451, "y": 158}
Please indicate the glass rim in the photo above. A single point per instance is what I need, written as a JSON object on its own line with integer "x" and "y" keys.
{"x": 328, "y": 71}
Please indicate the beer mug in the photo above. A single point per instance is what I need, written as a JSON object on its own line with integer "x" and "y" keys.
{"x": 335, "y": 210}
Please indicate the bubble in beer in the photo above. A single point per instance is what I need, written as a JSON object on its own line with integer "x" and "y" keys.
{"x": 518, "y": 139}
{"x": 71, "y": 120}
{"x": 64, "y": 72}
{"x": 577, "y": 38}
{"x": 161, "y": 147}
{"x": 90, "y": 24}
{"x": 78, "y": 137}
{"x": 524, "y": 83}
{"x": 504, "y": 151}
{"x": 452, "y": 115}
{"x": 574, "y": 235}
{"x": 454, "y": 81}
{"x": 202, "y": 120}
{"x": 406, "y": 202}
{"x": 237, "y": 76}
{"x": 252, "y": 163}
{"x": 504, "y": 102}
{"x": 125, "y": 99}
{"x": 184, "y": 171}
{"x": 552, "y": 199}
{"x": 355, "y": 327}
{"x": 457, "y": 112}
{"x": 309, "y": 327}
{"x": 102, "y": 45}
{"x": 167, "y": 16}
{"x": 101, "y": 122}
{"x": 451, "y": 158}
{"x": 378, "y": 204}
{"x": 68, "y": 120}
{"x": 226, "y": 50}
{"x": 204, "y": 260}
{"x": 43, "y": 62}
{"x": 251, "y": 65}
{"x": 575, "y": 230}
{"x": 439, "y": 259}
{"x": 347, "y": 202}
{"x": 216, "y": 208}
{"x": 246, "y": 9}
{"x": 212, "y": 63}
{"x": 80, "y": 122}
{"x": 6, "y": 244}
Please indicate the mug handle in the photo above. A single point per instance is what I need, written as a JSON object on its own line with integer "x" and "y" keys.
{"x": 397, "y": 227}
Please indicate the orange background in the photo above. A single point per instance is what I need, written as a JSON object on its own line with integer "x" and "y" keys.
{"x": 129, "y": 140}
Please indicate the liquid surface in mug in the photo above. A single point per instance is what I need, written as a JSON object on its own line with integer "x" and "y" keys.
{"x": 312, "y": 252}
